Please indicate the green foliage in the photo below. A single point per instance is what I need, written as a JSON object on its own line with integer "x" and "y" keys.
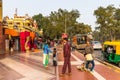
{"x": 108, "y": 22}
{"x": 38, "y": 19}
{"x": 61, "y": 21}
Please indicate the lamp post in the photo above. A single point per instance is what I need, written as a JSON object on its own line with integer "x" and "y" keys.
{"x": 65, "y": 26}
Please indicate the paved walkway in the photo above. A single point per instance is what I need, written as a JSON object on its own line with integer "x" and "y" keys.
{"x": 24, "y": 66}
{"x": 101, "y": 71}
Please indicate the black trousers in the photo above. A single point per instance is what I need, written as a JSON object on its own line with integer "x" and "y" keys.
{"x": 54, "y": 63}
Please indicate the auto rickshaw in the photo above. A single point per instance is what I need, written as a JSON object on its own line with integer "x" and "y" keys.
{"x": 111, "y": 51}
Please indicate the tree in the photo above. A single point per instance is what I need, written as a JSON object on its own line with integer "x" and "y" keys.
{"x": 106, "y": 22}
{"x": 61, "y": 21}
{"x": 38, "y": 19}
{"x": 117, "y": 20}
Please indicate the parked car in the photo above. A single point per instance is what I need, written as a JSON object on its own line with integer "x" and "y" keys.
{"x": 96, "y": 45}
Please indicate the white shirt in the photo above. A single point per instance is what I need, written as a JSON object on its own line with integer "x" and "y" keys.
{"x": 88, "y": 57}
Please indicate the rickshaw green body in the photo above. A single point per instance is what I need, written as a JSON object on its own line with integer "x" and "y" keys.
{"x": 113, "y": 56}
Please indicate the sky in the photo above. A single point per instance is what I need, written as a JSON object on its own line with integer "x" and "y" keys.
{"x": 33, "y": 7}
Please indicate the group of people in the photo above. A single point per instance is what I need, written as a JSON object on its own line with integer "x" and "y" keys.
{"x": 46, "y": 51}
{"x": 89, "y": 59}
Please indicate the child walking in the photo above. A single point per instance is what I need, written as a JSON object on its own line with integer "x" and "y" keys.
{"x": 54, "y": 57}
{"x": 46, "y": 51}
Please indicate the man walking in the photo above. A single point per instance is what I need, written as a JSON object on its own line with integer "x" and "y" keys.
{"x": 67, "y": 55}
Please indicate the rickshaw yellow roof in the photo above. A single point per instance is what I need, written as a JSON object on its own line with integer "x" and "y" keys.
{"x": 112, "y": 43}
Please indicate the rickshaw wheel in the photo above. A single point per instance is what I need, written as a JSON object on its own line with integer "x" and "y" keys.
{"x": 118, "y": 64}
